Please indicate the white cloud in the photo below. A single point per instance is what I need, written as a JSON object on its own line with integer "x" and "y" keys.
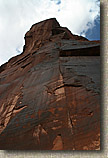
{"x": 17, "y": 16}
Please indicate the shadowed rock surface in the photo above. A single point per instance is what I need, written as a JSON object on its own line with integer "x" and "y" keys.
{"x": 50, "y": 94}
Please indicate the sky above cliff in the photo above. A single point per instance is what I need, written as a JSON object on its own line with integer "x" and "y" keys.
{"x": 82, "y": 17}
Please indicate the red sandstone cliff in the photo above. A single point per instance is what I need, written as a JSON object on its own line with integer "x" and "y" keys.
{"x": 49, "y": 94}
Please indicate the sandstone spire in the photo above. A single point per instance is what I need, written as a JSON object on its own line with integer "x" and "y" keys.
{"x": 50, "y": 94}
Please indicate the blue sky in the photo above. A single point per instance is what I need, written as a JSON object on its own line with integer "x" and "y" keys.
{"x": 82, "y": 17}
{"x": 58, "y": 2}
{"x": 94, "y": 33}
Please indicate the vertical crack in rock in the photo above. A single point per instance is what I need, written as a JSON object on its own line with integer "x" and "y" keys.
{"x": 69, "y": 119}
{"x": 71, "y": 127}
{"x": 70, "y": 124}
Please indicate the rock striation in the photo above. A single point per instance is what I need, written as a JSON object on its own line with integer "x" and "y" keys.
{"x": 50, "y": 93}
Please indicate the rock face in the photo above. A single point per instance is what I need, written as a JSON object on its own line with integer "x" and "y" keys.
{"x": 50, "y": 94}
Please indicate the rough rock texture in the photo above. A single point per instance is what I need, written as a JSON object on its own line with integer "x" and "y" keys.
{"x": 49, "y": 94}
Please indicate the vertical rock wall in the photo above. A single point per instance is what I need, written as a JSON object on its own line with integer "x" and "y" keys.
{"x": 50, "y": 94}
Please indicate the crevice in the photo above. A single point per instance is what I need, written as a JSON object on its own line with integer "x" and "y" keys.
{"x": 59, "y": 134}
{"x": 22, "y": 59}
{"x": 34, "y": 52}
{"x": 90, "y": 113}
{"x": 2, "y": 124}
{"x": 19, "y": 107}
{"x": 70, "y": 124}
{"x": 60, "y": 70}
{"x": 52, "y": 91}
{"x": 68, "y": 85}
{"x": 25, "y": 65}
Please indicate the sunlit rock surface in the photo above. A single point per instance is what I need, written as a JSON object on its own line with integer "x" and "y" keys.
{"x": 50, "y": 94}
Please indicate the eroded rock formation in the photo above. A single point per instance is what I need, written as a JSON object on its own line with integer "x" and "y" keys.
{"x": 50, "y": 94}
